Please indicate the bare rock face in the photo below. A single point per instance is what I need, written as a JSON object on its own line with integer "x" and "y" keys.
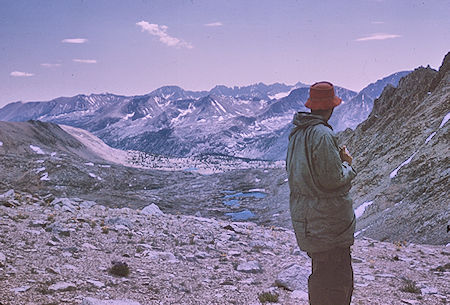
{"x": 401, "y": 156}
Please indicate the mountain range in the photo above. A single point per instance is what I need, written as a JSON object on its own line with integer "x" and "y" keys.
{"x": 250, "y": 122}
{"x": 400, "y": 154}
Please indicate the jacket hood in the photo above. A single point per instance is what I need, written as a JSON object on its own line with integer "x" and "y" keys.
{"x": 303, "y": 120}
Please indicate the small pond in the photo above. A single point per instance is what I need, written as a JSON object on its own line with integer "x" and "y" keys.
{"x": 231, "y": 199}
{"x": 243, "y": 215}
{"x": 232, "y": 202}
{"x": 257, "y": 195}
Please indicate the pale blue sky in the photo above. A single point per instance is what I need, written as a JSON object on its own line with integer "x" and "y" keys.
{"x": 51, "y": 48}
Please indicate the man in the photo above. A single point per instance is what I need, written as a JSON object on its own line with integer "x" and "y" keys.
{"x": 320, "y": 175}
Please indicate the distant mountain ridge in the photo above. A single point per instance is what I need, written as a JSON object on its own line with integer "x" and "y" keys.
{"x": 250, "y": 121}
{"x": 358, "y": 108}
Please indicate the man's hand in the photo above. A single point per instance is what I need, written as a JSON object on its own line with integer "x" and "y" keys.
{"x": 345, "y": 155}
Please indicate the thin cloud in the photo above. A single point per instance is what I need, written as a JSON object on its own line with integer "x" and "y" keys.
{"x": 378, "y": 22}
{"x": 85, "y": 61}
{"x": 378, "y": 36}
{"x": 161, "y": 32}
{"x": 74, "y": 40}
{"x": 21, "y": 74}
{"x": 214, "y": 24}
{"x": 48, "y": 65}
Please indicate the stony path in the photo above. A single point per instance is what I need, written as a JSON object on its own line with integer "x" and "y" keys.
{"x": 59, "y": 251}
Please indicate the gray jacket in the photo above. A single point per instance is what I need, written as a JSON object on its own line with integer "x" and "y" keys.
{"x": 321, "y": 209}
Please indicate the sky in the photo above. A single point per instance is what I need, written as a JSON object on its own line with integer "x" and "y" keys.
{"x": 51, "y": 48}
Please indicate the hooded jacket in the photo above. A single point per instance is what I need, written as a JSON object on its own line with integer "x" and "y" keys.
{"x": 321, "y": 208}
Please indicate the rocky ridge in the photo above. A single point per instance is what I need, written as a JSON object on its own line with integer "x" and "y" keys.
{"x": 402, "y": 158}
{"x": 351, "y": 114}
{"x": 62, "y": 251}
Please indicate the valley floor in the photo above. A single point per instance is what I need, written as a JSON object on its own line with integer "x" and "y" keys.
{"x": 60, "y": 251}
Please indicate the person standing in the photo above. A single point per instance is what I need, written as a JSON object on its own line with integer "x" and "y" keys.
{"x": 320, "y": 175}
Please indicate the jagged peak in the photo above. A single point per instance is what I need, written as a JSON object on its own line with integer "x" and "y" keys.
{"x": 167, "y": 89}
{"x": 445, "y": 66}
{"x": 443, "y": 70}
{"x": 411, "y": 88}
{"x": 418, "y": 75}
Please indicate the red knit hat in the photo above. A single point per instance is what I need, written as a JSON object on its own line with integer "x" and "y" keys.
{"x": 322, "y": 97}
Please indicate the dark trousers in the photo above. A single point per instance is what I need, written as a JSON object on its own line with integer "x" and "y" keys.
{"x": 331, "y": 280}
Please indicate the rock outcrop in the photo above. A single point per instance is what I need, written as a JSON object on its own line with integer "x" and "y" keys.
{"x": 402, "y": 158}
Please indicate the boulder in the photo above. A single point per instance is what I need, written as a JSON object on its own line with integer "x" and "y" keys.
{"x": 168, "y": 256}
{"x": 152, "y": 209}
{"x": 62, "y": 286}
{"x": 119, "y": 221}
{"x": 9, "y": 195}
{"x": 7, "y": 199}
{"x": 295, "y": 277}
{"x": 96, "y": 284}
{"x": 299, "y": 295}
{"x": 87, "y": 204}
{"x": 249, "y": 267}
{"x": 21, "y": 289}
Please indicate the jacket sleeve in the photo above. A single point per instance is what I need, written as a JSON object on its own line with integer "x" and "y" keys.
{"x": 329, "y": 170}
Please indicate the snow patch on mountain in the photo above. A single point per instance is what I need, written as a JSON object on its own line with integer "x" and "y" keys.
{"x": 362, "y": 208}
{"x": 430, "y": 137}
{"x": 37, "y": 150}
{"x": 45, "y": 177}
{"x": 95, "y": 176}
{"x": 182, "y": 114}
{"x": 445, "y": 120}
{"x": 127, "y": 116}
{"x": 220, "y": 107}
{"x": 395, "y": 171}
{"x": 279, "y": 95}
{"x": 40, "y": 169}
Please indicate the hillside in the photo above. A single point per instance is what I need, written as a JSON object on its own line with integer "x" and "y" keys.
{"x": 42, "y": 158}
{"x": 62, "y": 251}
{"x": 401, "y": 153}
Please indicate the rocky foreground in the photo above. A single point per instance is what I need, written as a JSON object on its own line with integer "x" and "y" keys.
{"x": 72, "y": 251}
